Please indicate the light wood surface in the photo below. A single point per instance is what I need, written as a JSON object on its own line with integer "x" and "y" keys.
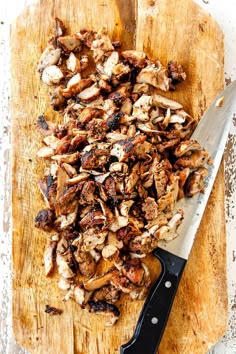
{"x": 165, "y": 29}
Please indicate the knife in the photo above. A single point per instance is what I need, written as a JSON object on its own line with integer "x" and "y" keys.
{"x": 211, "y": 133}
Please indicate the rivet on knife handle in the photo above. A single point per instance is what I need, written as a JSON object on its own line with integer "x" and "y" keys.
{"x": 153, "y": 318}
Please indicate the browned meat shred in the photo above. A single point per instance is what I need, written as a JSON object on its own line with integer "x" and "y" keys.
{"x": 116, "y": 165}
{"x": 53, "y": 310}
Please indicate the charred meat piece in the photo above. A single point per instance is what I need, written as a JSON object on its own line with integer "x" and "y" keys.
{"x": 53, "y": 310}
{"x": 134, "y": 57}
{"x": 176, "y": 72}
{"x": 113, "y": 121}
{"x": 187, "y": 146}
{"x": 195, "y": 160}
{"x": 46, "y": 128}
{"x": 124, "y": 148}
{"x": 105, "y": 308}
{"x": 195, "y": 182}
{"x": 95, "y": 158}
{"x": 97, "y": 129}
{"x": 134, "y": 271}
{"x": 87, "y": 195}
{"x": 107, "y": 293}
{"x": 89, "y": 113}
{"x": 45, "y": 219}
{"x": 57, "y": 99}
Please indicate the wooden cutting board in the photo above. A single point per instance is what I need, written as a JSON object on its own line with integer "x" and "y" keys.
{"x": 164, "y": 29}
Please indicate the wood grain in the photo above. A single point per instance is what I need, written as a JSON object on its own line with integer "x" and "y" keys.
{"x": 165, "y": 30}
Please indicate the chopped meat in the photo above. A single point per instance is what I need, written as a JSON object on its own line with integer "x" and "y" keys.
{"x": 107, "y": 293}
{"x": 164, "y": 102}
{"x": 45, "y": 219}
{"x": 89, "y": 113}
{"x": 150, "y": 208}
{"x": 94, "y": 217}
{"x": 52, "y": 311}
{"x": 93, "y": 238}
{"x": 87, "y": 265}
{"x": 100, "y": 281}
{"x": 195, "y": 182}
{"x": 124, "y": 148}
{"x": 64, "y": 284}
{"x": 69, "y": 43}
{"x": 155, "y": 76}
{"x": 134, "y": 57}
{"x": 60, "y": 28}
{"x": 110, "y": 187}
{"x": 79, "y": 178}
{"x": 95, "y": 158}
{"x": 133, "y": 178}
{"x": 117, "y": 163}
{"x": 49, "y": 255}
{"x": 101, "y": 44}
{"x": 46, "y": 128}
{"x": 64, "y": 268}
{"x": 118, "y": 222}
{"x": 57, "y": 99}
{"x": 63, "y": 221}
{"x": 81, "y": 296}
{"x": 113, "y": 121}
{"x": 122, "y": 283}
{"x": 87, "y": 195}
{"x": 176, "y": 72}
{"x": 134, "y": 271}
{"x": 187, "y": 146}
{"x": 127, "y": 233}
{"x": 86, "y": 37}
{"x": 195, "y": 160}
{"x": 49, "y": 57}
{"x": 73, "y": 63}
{"x": 142, "y": 107}
{"x": 125, "y": 206}
{"x": 52, "y": 75}
{"x": 78, "y": 86}
{"x": 105, "y": 308}
{"x": 45, "y": 152}
{"x": 109, "y": 64}
{"x": 67, "y": 158}
{"x": 183, "y": 175}
{"x": 120, "y": 70}
{"x": 90, "y": 93}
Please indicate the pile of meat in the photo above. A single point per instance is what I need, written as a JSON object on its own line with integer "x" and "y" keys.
{"x": 117, "y": 165}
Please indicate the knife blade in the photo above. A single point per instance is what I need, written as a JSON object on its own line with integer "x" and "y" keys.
{"x": 211, "y": 133}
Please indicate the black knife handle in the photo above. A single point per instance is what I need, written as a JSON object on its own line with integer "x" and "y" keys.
{"x": 156, "y": 310}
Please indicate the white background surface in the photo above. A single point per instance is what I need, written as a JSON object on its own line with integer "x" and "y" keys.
{"x": 225, "y": 14}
